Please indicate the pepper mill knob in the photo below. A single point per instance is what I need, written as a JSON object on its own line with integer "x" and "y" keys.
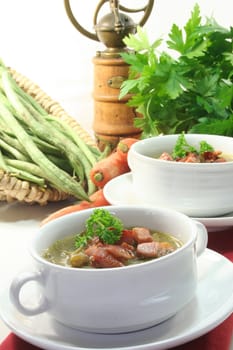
{"x": 113, "y": 27}
{"x": 112, "y": 35}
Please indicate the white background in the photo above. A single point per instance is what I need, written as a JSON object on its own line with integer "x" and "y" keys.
{"x": 38, "y": 40}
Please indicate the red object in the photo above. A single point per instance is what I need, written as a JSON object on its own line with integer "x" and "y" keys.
{"x": 218, "y": 339}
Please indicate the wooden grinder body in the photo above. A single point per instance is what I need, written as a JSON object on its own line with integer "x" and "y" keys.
{"x": 113, "y": 118}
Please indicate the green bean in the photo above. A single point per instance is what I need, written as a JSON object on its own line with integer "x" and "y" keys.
{"x": 19, "y": 173}
{"x": 69, "y": 143}
{"x": 39, "y": 127}
{"x": 12, "y": 141}
{"x": 69, "y": 132}
{"x": 3, "y": 164}
{"x": 24, "y": 175}
{"x": 38, "y": 141}
{"x": 27, "y": 166}
{"x": 50, "y": 134}
{"x": 13, "y": 151}
{"x": 62, "y": 163}
{"x": 60, "y": 179}
{"x": 46, "y": 147}
{"x": 91, "y": 154}
{"x": 87, "y": 160}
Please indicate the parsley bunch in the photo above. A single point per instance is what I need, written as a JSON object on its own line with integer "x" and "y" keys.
{"x": 191, "y": 93}
{"x": 102, "y": 224}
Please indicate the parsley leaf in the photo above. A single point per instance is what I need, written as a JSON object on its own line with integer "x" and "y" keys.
{"x": 205, "y": 147}
{"x": 102, "y": 224}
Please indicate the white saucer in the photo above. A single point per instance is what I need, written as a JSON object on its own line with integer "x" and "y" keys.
{"x": 119, "y": 191}
{"x": 212, "y": 304}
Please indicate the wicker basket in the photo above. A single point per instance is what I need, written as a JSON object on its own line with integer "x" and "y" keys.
{"x": 13, "y": 189}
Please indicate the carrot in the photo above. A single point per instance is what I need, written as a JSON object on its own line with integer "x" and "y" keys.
{"x": 114, "y": 165}
{"x": 97, "y": 199}
{"x": 123, "y": 147}
{"x": 108, "y": 168}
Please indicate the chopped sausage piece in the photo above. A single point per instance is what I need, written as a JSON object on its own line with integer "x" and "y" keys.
{"x": 213, "y": 157}
{"x": 102, "y": 258}
{"x": 154, "y": 249}
{"x": 119, "y": 252}
{"x": 127, "y": 236}
{"x": 90, "y": 250}
{"x": 190, "y": 158}
{"x": 165, "y": 248}
{"x": 128, "y": 246}
{"x": 195, "y": 157}
{"x": 166, "y": 156}
{"x": 142, "y": 234}
{"x": 148, "y": 249}
{"x": 220, "y": 160}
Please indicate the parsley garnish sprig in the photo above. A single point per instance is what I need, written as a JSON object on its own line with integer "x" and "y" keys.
{"x": 182, "y": 148}
{"x": 102, "y": 224}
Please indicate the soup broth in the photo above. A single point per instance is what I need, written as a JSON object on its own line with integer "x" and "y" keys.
{"x": 128, "y": 250}
{"x": 187, "y": 153}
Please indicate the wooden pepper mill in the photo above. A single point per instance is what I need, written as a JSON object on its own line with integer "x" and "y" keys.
{"x": 113, "y": 118}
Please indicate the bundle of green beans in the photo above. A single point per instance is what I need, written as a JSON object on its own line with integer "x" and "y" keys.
{"x": 40, "y": 148}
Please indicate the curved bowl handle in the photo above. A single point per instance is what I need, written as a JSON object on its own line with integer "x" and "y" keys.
{"x": 15, "y": 288}
{"x": 202, "y": 238}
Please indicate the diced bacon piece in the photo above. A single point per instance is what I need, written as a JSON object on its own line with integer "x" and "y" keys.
{"x": 102, "y": 258}
{"x": 165, "y": 156}
{"x": 142, "y": 234}
{"x": 119, "y": 252}
{"x": 148, "y": 249}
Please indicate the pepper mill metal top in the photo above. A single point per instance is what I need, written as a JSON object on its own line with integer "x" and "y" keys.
{"x": 114, "y": 26}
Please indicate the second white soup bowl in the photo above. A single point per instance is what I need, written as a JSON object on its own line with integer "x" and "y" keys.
{"x": 195, "y": 189}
